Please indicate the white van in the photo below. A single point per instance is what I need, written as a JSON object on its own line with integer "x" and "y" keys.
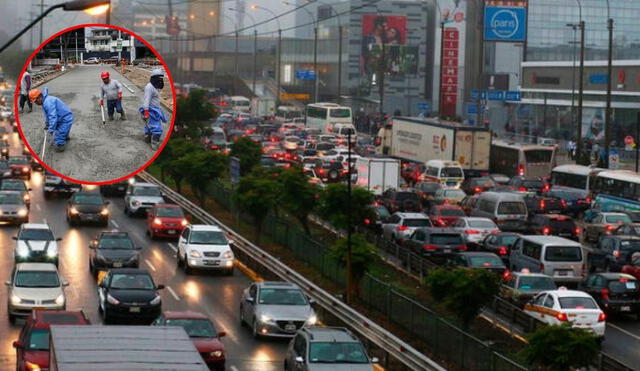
{"x": 448, "y": 173}
{"x": 562, "y": 259}
{"x": 342, "y": 132}
{"x": 240, "y": 104}
{"x": 507, "y": 210}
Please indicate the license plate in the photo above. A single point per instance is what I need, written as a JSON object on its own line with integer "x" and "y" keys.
{"x": 134, "y": 309}
{"x": 290, "y": 327}
{"x": 117, "y": 265}
{"x": 625, "y": 308}
{"x": 211, "y": 262}
{"x": 447, "y": 251}
{"x": 561, "y": 273}
{"x": 171, "y": 231}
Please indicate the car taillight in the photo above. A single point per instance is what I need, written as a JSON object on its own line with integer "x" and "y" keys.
{"x": 462, "y": 248}
{"x": 605, "y": 294}
{"x": 477, "y": 189}
{"x": 521, "y": 170}
{"x": 446, "y": 201}
{"x": 502, "y": 250}
{"x": 563, "y": 203}
{"x": 542, "y": 204}
{"x": 440, "y": 221}
{"x": 429, "y": 247}
{"x": 506, "y": 274}
{"x": 545, "y": 188}
{"x": 587, "y": 200}
{"x": 602, "y": 317}
{"x": 541, "y": 266}
{"x": 616, "y": 254}
{"x": 472, "y": 231}
{"x": 402, "y": 227}
{"x": 522, "y": 189}
{"x": 546, "y": 230}
{"x": 577, "y": 230}
{"x": 562, "y": 317}
{"x": 609, "y": 227}
{"x": 367, "y": 221}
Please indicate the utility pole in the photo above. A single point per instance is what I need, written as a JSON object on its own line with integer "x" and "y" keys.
{"x": 61, "y": 55}
{"x": 255, "y": 56}
{"x": 349, "y": 272}
{"x": 315, "y": 63}
{"x": 440, "y": 100}
{"x": 279, "y": 52}
{"x": 119, "y": 41}
{"x": 382, "y": 66}
{"x": 608, "y": 112}
{"x": 236, "y": 67}
{"x": 580, "y": 95}
{"x": 340, "y": 30}
{"x": 41, "y": 25}
{"x": 76, "y": 34}
{"x": 480, "y": 24}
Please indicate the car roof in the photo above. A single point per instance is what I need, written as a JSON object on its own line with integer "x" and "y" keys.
{"x": 143, "y": 184}
{"x": 184, "y": 314}
{"x": 550, "y": 240}
{"x": 529, "y": 274}
{"x": 129, "y": 271}
{"x": 412, "y": 215}
{"x": 478, "y": 253}
{"x": 563, "y": 293}
{"x": 475, "y": 218}
{"x": 330, "y": 334}
{"x": 35, "y": 226}
{"x": 275, "y": 284}
{"x": 43, "y": 318}
{"x": 36, "y": 267}
{"x": 205, "y": 227}
{"x": 616, "y": 275}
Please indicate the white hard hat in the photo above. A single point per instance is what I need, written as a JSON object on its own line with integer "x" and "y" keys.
{"x": 157, "y": 72}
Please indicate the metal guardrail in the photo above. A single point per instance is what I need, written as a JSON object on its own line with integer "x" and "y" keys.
{"x": 379, "y": 336}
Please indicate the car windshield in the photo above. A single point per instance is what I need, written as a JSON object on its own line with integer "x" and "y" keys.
{"x": 11, "y": 198}
{"x": 451, "y": 212}
{"x": 147, "y": 191}
{"x": 170, "y": 212}
{"x": 507, "y": 240}
{"x": 340, "y": 112}
{"x": 572, "y": 302}
{"x": 337, "y": 352}
{"x": 446, "y": 239}
{"x": 533, "y": 184}
{"x": 406, "y": 196}
{"x": 617, "y": 218}
{"x": 18, "y": 160}
{"x": 273, "y": 296}
{"x": 382, "y": 211}
{"x": 451, "y": 172}
{"x": 562, "y": 224}
{"x": 12, "y": 186}
{"x": 511, "y": 207}
{"x": 623, "y": 285}
{"x": 38, "y": 340}
{"x": 416, "y": 222}
{"x": 38, "y": 234}
{"x": 88, "y": 199}
{"x": 454, "y": 193}
{"x": 195, "y": 327}
{"x": 115, "y": 242}
{"x": 124, "y": 281}
{"x": 563, "y": 254}
{"x": 40, "y": 279}
{"x": 628, "y": 245}
{"x": 208, "y": 238}
{"x": 485, "y": 261}
{"x": 538, "y": 155}
{"x": 482, "y": 224}
{"x": 536, "y": 283}
{"x": 483, "y": 182}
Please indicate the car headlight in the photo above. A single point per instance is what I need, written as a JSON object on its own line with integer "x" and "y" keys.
{"x": 73, "y": 210}
{"x": 312, "y": 320}
{"x": 135, "y": 203}
{"x": 26, "y": 197}
{"x": 157, "y": 221}
{"x": 104, "y": 211}
{"x": 22, "y": 212}
{"x": 15, "y": 300}
{"x": 52, "y": 253}
{"x": 25, "y": 169}
{"x": 60, "y": 300}
{"x": 265, "y": 318}
{"x": 184, "y": 222}
{"x": 23, "y": 253}
{"x": 155, "y": 300}
{"x": 112, "y": 300}
{"x": 195, "y": 254}
{"x": 133, "y": 258}
{"x": 131, "y": 180}
{"x": 216, "y": 353}
{"x": 227, "y": 255}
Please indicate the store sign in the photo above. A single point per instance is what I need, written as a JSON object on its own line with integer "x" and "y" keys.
{"x": 449, "y": 78}
{"x": 505, "y": 23}
{"x": 598, "y": 78}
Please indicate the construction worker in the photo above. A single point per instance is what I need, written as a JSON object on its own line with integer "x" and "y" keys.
{"x": 25, "y": 86}
{"x": 111, "y": 89}
{"x": 151, "y": 112}
{"x": 58, "y": 118}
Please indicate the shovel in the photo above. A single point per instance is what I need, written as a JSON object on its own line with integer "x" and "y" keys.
{"x": 44, "y": 145}
{"x": 102, "y": 111}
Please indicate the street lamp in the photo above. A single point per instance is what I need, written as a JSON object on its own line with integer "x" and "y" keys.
{"x": 279, "y": 51}
{"x": 574, "y": 27}
{"x": 607, "y": 121}
{"x": 93, "y": 7}
{"x": 255, "y": 44}
{"x": 315, "y": 49}
{"x": 580, "y": 86}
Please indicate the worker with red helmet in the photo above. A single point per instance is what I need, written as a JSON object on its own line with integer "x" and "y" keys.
{"x": 111, "y": 90}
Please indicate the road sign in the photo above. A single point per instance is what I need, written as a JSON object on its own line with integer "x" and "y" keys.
{"x": 423, "y": 106}
{"x": 472, "y": 108}
{"x": 234, "y": 166}
{"x": 478, "y": 94}
{"x": 502, "y": 23}
{"x": 629, "y": 143}
{"x": 512, "y": 95}
{"x": 119, "y": 45}
{"x": 598, "y": 78}
{"x": 495, "y": 95}
{"x": 613, "y": 160}
{"x": 304, "y": 74}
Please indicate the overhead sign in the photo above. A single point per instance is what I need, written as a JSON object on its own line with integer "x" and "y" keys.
{"x": 478, "y": 94}
{"x": 496, "y": 95}
{"x": 502, "y": 23}
{"x": 288, "y": 96}
{"x": 598, "y": 78}
{"x": 472, "y": 108}
{"x": 513, "y": 95}
{"x": 304, "y": 74}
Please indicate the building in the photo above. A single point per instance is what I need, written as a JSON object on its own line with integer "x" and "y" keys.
{"x": 106, "y": 40}
{"x": 67, "y": 46}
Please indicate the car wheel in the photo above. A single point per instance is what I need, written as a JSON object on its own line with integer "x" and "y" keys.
{"x": 126, "y": 210}
{"x": 47, "y": 195}
{"x": 254, "y": 329}
{"x": 185, "y": 265}
{"x": 229, "y": 272}
{"x": 243, "y": 323}
{"x": 105, "y": 317}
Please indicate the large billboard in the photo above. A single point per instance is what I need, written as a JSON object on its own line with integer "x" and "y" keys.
{"x": 384, "y": 46}
{"x": 502, "y": 23}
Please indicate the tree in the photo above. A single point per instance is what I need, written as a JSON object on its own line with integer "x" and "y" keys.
{"x": 173, "y": 162}
{"x": 363, "y": 255}
{"x": 561, "y": 348}
{"x": 193, "y": 112}
{"x": 334, "y": 206}
{"x": 297, "y": 195}
{"x": 463, "y": 291}
{"x": 201, "y": 168}
{"x": 257, "y": 195}
{"x": 249, "y": 153}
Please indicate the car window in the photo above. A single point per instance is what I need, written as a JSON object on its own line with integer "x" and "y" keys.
{"x": 88, "y": 199}
{"x": 623, "y": 285}
{"x": 11, "y": 198}
{"x": 485, "y": 261}
{"x": 147, "y": 191}
{"x": 280, "y": 296}
{"x": 482, "y": 224}
{"x": 337, "y": 352}
{"x": 539, "y": 299}
{"x": 208, "y": 238}
{"x": 527, "y": 283}
{"x": 39, "y": 279}
{"x": 618, "y": 219}
{"x": 508, "y": 240}
{"x": 577, "y": 303}
{"x": 445, "y": 239}
{"x": 38, "y": 234}
{"x": 451, "y": 172}
{"x": 548, "y": 301}
{"x": 511, "y": 207}
{"x": 131, "y": 282}
{"x": 115, "y": 242}
{"x": 630, "y": 245}
{"x": 563, "y": 253}
{"x": 416, "y": 222}
{"x": 12, "y": 186}
{"x": 169, "y": 212}
{"x": 195, "y": 327}
{"x": 451, "y": 212}
{"x": 38, "y": 340}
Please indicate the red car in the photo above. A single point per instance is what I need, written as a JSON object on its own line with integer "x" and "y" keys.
{"x": 32, "y": 346}
{"x": 633, "y": 268}
{"x": 445, "y": 215}
{"x": 201, "y": 331}
{"x": 165, "y": 220}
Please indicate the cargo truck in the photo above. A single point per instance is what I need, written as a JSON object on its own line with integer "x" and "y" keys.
{"x": 421, "y": 140}
{"x": 378, "y": 174}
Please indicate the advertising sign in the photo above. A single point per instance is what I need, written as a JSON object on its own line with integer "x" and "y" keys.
{"x": 502, "y": 23}
{"x": 390, "y": 31}
{"x": 451, "y": 83}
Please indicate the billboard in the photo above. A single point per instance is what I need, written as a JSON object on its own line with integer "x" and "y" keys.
{"x": 503, "y": 23}
{"x": 390, "y": 31}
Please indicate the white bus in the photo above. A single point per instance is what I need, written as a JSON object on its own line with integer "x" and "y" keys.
{"x": 240, "y": 104}
{"x": 324, "y": 116}
{"x": 616, "y": 190}
{"x": 574, "y": 177}
{"x": 287, "y": 113}
{"x": 522, "y": 159}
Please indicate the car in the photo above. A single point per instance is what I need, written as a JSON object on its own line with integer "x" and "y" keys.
{"x": 20, "y": 166}
{"x": 626, "y": 229}
{"x": 202, "y": 332}
{"x": 529, "y": 184}
{"x": 14, "y": 209}
{"x": 399, "y": 226}
{"x": 603, "y": 223}
{"x": 575, "y": 203}
{"x": 140, "y": 197}
{"x": 380, "y": 216}
{"x": 475, "y": 229}
{"x": 5, "y": 170}
{"x": 36, "y": 243}
{"x": 448, "y": 196}
{"x": 5, "y": 149}
{"x": 19, "y": 186}
{"x": 435, "y": 241}
{"x": 614, "y": 292}
{"x": 32, "y": 346}
{"x": 87, "y": 207}
{"x": 499, "y": 179}
{"x": 165, "y": 220}
{"x": 411, "y": 172}
{"x": 55, "y": 184}
{"x": 472, "y": 186}
{"x": 327, "y": 348}
{"x": 400, "y": 200}
{"x": 479, "y": 260}
{"x": 34, "y": 286}
{"x": 275, "y": 309}
{"x": 426, "y": 190}
{"x": 555, "y": 307}
{"x": 114, "y": 189}
{"x": 500, "y": 243}
{"x": 537, "y": 204}
{"x": 555, "y": 224}
{"x": 520, "y": 287}
{"x": 445, "y": 215}
{"x": 4, "y": 133}
{"x": 204, "y": 246}
{"x": 469, "y": 203}
{"x": 634, "y": 215}
{"x": 113, "y": 249}
{"x": 92, "y": 60}
{"x": 611, "y": 253}
{"x": 129, "y": 293}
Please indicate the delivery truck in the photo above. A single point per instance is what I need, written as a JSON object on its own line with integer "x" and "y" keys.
{"x": 131, "y": 348}
{"x": 421, "y": 140}
{"x": 263, "y": 107}
{"x": 378, "y": 174}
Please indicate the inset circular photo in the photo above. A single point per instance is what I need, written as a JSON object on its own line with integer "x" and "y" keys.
{"x": 95, "y": 104}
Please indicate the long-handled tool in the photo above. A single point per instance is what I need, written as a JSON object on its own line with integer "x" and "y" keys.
{"x": 44, "y": 145}
{"x": 102, "y": 110}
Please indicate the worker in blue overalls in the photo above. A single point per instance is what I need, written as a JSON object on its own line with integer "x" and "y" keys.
{"x": 151, "y": 112}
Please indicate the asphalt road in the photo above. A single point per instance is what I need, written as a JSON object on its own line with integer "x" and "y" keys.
{"x": 95, "y": 152}
{"x": 212, "y": 294}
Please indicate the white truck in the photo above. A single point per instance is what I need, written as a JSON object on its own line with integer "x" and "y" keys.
{"x": 421, "y": 140}
{"x": 378, "y": 174}
{"x": 263, "y": 107}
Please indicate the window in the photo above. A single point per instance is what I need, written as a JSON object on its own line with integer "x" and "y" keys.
{"x": 208, "y": 238}
{"x": 317, "y": 112}
{"x": 432, "y": 171}
{"x": 527, "y": 283}
{"x": 446, "y": 239}
{"x": 39, "y": 234}
{"x": 569, "y": 180}
{"x": 538, "y": 156}
{"x": 563, "y": 254}
{"x": 539, "y": 299}
{"x": 512, "y": 207}
{"x": 337, "y": 352}
{"x": 578, "y": 303}
{"x": 37, "y": 279}
{"x": 451, "y": 172}
{"x": 482, "y": 224}
{"x": 418, "y": 236}
{"x": 416, "y": 222}
{"x": 531, "y": 249}
{"x": 548, "y": 302}
{"x": 340, "y": 112}
{"x": 39, "y": 340}
{"x": 253, "y": 291}
{"x": 131, "y": 282}
{"x": 281, "y": 296}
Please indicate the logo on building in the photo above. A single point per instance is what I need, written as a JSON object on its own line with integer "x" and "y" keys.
{"x": 505, "y": 23}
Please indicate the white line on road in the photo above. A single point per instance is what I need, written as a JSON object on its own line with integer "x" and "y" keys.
{"x": 38, "y": 207}
{"x": 233, "y": 368}
{"x": 150, "y": 265}
{"x": 128, "y": 88}
{"x": 172, "y": 246}
{"x": 115, "y": 224}
{"x": 624, "y": 331}
{"x": 173, "y": 293}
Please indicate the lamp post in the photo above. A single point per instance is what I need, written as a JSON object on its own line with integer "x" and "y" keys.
{"x": 608, "y": 113}
{"x": 255, "y": 45}
{"x": 315, "y": 48}
{"x": 574, "y": 27}
{"x": 93, "y": 7}
{"x": 279, "y": 50}
{"x": 580, "y": 86}
{"x": 340, "y": 41}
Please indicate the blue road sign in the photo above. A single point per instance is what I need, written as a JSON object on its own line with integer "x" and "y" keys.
{"x": 234, "y": 167}
{"x": 495, "y": 95}
{"x": 502, "y": 23}
{"x": 423, "y": 106}
{"x": 302, "y": 74}
{"x": 472, "y": 108}
{"x": 598, "y": 78}
{"x": 513, "y": 95}
{"x": 481, "y": 94}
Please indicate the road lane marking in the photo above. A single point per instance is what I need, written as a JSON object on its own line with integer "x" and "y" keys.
{"x": 115, "y": 224}
{"x": 624, "y": 331}
{"x": 128, "y": 88}
{"x": 172, "y": 246}
{"x": 150, "y": 265}
{"x": 233, "y": 368}
{"x": 173, "y": 293}
{"x": 38, "y": 207}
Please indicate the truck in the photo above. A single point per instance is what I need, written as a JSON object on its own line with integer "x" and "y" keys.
{"x": 81, "y": 348}
{"x": 420, "y": 140}
{"x": 377, "y": 174}
{"x": 263, "y": 107}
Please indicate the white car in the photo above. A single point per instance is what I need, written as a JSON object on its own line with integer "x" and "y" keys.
{"x": 34, "y": 285}
{"x": 205, "y": 246}
{"x": 400, "y": 226}
{"x": 140, "y": 197}
{"x": 475, "y": 229}
{"x": 92, "y": 60}
{"x": 36, "y": 243}
{"x": 559, "y": 306}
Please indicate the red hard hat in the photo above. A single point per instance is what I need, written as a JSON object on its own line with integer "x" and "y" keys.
{"x": 104, "y": 75}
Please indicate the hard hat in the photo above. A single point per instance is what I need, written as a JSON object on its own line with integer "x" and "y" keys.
{"x": 33, "y": 94}
{"x": 104, "y": 75}
{"x": 157, "y": 72}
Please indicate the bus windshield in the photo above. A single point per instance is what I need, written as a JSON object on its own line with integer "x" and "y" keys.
{"x": 538, "y": 155}
{"x": 340, "y": 112}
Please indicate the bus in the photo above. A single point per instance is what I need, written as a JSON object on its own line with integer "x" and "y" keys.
{"x": 574, "y": 177}
{"x": 287, "y": 113}
{"x": 617, "y": 190}
{"x": 529, "y": 160}
{"x": 324, "y": 116}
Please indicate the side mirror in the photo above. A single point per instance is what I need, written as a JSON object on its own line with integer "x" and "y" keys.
{"x": 231, "y": 242}
{"x": 299, "y": 359}
{"x": 375, "y": 360}
{"x": 250, "y": 299}
{"x": 15, "y": 238}
{"x": 58, "y": 239}
{"x": 7, "y": 283}
{"x": 18, "y": 344}
{"x": 222, "y": 334}
{"x": 159, "y": 287}
{"x": 65, "y": 283}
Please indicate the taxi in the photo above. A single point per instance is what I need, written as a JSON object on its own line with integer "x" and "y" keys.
{"x": 521, "y": 287}
{"x": 555, "y": 307}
